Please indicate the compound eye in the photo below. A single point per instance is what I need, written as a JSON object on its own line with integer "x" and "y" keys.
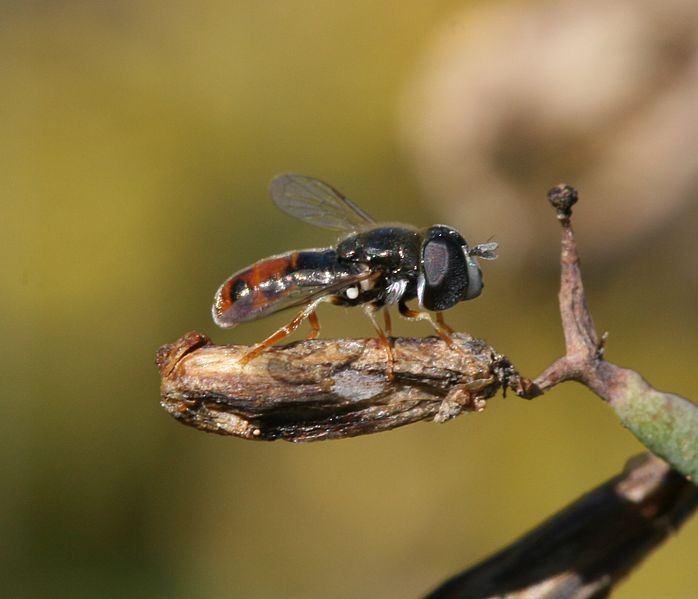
{"x": 444, "y": 269}
{"x": 435, "y": 261}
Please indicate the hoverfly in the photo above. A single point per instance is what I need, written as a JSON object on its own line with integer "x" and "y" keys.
{"x": 373, "y": 265}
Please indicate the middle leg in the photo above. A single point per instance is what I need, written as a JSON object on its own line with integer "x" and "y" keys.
{"x": 388, "y": 322}
{"x": 370, "y": 311}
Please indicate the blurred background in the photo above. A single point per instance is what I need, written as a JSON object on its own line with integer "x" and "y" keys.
{"x": 138, "y": 139}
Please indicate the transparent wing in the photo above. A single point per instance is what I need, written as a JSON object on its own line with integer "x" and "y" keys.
{"x": 317, "y": 203}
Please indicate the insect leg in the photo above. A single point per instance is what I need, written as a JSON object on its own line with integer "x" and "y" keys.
{"x": 388, "y": 322}
{"x": 442, "y": 323}
{"x": 314, "y": 325}
{"x": 441, "y": 328}
{"x": 370, "y": 311}
{"x": 284, "y": 331}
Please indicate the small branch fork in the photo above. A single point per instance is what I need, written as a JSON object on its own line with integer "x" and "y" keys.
{"x": 665, "y": 423}
{"x": 583, "y": 360}
{"x": 329, "y": 389}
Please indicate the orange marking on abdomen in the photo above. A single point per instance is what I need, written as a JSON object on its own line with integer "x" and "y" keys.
{"x": 267, "y": 269}
{"x": 251, "y": 282}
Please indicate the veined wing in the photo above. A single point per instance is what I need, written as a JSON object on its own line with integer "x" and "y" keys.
{"x": 317, "y": 203}
{"x": 280, "y": 282}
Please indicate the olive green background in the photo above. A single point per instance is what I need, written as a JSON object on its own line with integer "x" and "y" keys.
{"x": 136, "y": 145}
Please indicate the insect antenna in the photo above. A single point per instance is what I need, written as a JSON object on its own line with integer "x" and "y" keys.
{"x": 486, "y": 251}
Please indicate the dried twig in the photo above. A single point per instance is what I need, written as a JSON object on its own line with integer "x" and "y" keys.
{"x": 665, "y": 423}
{"x": 586, "y": 548}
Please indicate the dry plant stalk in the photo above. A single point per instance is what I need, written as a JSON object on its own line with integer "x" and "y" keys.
{"x": 665, "y": 423}
{"x": 326, "y": 389}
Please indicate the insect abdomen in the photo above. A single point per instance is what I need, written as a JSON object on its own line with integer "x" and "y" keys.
{"x": 277, "y": 283}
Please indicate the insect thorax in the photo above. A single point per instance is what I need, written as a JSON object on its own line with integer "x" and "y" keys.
{"x": 392, "y": 249}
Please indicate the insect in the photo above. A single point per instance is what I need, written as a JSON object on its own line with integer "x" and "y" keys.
{"x": 374, "y": 266}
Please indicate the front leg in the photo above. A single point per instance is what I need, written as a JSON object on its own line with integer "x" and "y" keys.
{"x": 441, "y": 328}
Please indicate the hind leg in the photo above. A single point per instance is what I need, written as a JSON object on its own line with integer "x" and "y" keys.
{"x": 314, "y": 325}
{"x": 284, "y": 331}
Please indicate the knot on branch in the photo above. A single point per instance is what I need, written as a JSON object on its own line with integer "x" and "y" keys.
{"x": 563, "y": 197}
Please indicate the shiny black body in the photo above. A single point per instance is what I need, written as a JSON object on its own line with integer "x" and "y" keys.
{"x": 392, "y": 254}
